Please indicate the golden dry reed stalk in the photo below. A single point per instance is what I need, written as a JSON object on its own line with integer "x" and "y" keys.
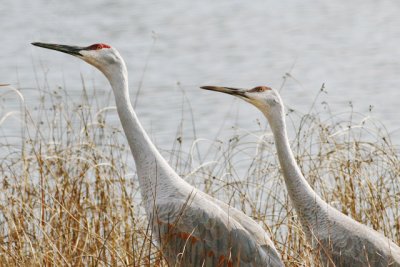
{"x": 69, "y": 192}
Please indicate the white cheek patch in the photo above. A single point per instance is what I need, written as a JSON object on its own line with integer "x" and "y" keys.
{"x": 91, "y": 57}
{"x": 87, "y": 53}
{"x": 259, "y": 103}
{"x": 104, "y": 59}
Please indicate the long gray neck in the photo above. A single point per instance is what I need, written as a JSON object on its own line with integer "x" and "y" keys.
{"x": 306, "y": 202}
{"x": 154, "y": 172}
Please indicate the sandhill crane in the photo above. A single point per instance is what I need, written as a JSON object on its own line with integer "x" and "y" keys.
{"x": 191, "y": 227}
{"x": 341, "y": 241}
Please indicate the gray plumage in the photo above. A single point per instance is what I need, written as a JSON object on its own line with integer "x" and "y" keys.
{"x": 192, "y": 228}
{"x": 339, "y": 240}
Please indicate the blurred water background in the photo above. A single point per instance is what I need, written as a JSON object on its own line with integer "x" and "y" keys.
{"x": 172, "y": 47}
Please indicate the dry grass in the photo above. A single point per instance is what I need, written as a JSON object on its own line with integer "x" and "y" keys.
{"x": 69, "y": 195}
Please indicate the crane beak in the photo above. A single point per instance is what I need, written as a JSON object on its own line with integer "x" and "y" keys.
{"x": 72, "y": 50}
{"x": 227, "y": 90}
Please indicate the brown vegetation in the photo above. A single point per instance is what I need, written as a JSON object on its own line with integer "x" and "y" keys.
{"x": 69, "y": 195}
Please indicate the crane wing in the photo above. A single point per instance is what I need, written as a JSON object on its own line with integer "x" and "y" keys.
{"x": 354, "y": 244}
{"x": 253, "y": 228}
{"x": 207, "y": 235}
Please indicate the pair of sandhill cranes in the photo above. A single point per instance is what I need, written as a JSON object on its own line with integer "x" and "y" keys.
{"x": 194, "y": 229}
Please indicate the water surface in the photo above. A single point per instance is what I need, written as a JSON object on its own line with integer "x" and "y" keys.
{"x": 350, "y": 46}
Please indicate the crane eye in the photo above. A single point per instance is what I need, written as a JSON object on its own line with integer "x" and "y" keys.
{"x": 259, "y": 89}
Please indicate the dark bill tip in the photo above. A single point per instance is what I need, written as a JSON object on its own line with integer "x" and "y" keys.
{"x": 208, "y": 87}
{"x": 69, "y": 49}
{"x": 227, "y": 90}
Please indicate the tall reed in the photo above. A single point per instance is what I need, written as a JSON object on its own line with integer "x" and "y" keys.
{"x": 69, "y": 193}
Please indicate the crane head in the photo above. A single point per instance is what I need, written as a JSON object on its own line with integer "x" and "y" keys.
{"x": 102, "y": 56}
{"x": 264, "y": 98}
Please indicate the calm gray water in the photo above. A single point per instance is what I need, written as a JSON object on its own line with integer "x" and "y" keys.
{"x": 351, "y": 46}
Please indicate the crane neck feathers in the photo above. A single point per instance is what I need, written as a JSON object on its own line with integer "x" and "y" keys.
{"x": 298, "y": 188}
{"x": 154, "y": 173}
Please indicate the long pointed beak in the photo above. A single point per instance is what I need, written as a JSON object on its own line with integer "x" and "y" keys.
{"x": 227, "y": 90}
{"x": 72, "y": 50}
